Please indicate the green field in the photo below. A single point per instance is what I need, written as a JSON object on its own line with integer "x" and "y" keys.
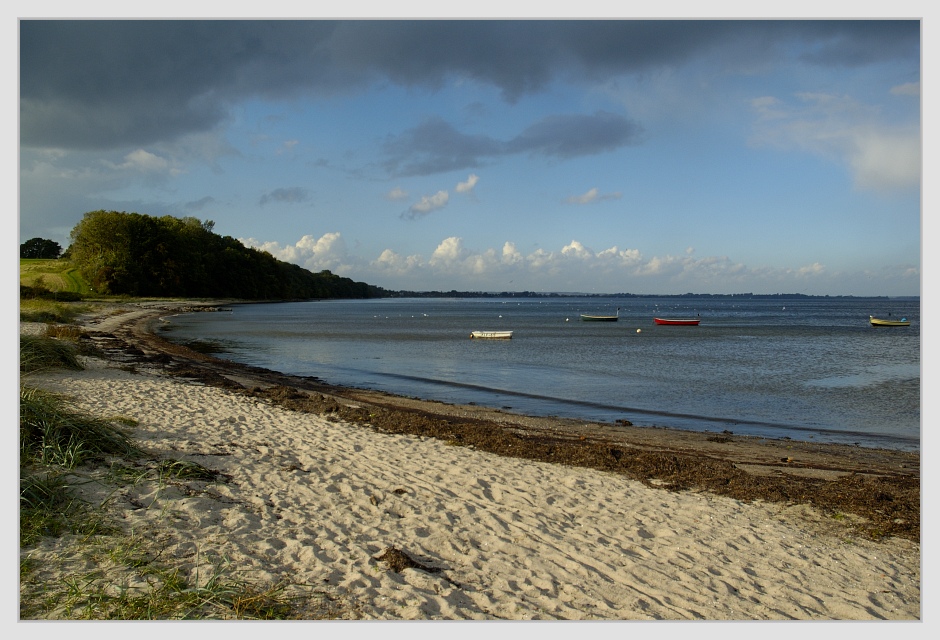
{"x": 55, "y": 275}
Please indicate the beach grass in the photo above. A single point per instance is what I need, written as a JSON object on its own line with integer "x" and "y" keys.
{"x": 49, "y": 507}
{"x": 42, "y": 353}
{"x": 52, "y": 311}
{"x": 137, "y": 586}
{"x": 52, "y": 433}
{"x": 60, "y": 449}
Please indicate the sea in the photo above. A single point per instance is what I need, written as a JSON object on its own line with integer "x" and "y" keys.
{"x": 804, "y": 368}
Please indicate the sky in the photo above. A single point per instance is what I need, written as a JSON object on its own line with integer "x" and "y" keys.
{"x": 590, "y": 155}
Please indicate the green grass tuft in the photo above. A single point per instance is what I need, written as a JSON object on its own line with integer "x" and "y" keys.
{"x": 49, "y": 508}
{"x": 169, "y": 593}
{"x": 40, "y": 353}
{"x": 39, "y": 310}
{"x": 186, "y": 470}
{"x": 51, "y": 432}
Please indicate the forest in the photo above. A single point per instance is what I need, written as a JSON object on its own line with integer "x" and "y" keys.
{"x": 120, "y": 253}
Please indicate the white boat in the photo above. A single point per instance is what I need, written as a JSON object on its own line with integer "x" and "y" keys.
{"x": 492, "y": 335}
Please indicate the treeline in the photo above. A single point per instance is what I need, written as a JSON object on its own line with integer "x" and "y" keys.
{"x": 134, "y": 254}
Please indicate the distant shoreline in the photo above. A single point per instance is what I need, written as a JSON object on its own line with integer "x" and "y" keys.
{"x": 706, "y": 296}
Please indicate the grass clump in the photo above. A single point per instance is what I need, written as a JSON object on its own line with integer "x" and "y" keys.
{"x": 41, "y": 353}
{"x": 44, "y": 310}
{"x": 52, "y": 433}
{"x": 68, "y": 332}
{"x": 129, "y": 578}
{"x": 48, "y": 507}
{"x": 147, "y": 589}
{"x": 186, "y": 470}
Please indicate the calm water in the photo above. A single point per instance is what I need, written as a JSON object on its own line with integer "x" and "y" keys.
{"x": 805, "y": 369}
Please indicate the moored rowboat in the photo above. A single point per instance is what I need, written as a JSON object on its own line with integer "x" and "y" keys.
{"x": 879, "y": 322}
{"x": 492, "y": 335}
{"x": 677, "y": 321}
{"x": 589, "y": 318}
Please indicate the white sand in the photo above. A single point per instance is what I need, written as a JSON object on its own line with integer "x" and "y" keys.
{"x": 315, "y": 500}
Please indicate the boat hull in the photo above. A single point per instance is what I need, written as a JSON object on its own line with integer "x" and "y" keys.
{"x": 491, "y": 335}
{"x": 685, "y": 322}
{"x": 598, "y": 318}
{"x": 879, "y": 322}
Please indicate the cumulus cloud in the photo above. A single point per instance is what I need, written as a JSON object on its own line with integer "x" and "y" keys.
{"x": 390, "y": 263}
{"x": 467, "y": 187}
{"x": 448, "y": 252}
{"x": 290, "y": 195}
{"x": 144, "y": 162}
{"x": 612, "y": 269}
{"x": 577, "y": 250}
{"x": 426, "y": 205}
{"x": 397, "y": 194}
{"x": 454, "y": 265}
{"x": 811, "y": 270}
{"x": 316, "y": 254}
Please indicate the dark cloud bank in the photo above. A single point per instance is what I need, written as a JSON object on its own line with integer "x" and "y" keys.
{"x": 87, "y": 84}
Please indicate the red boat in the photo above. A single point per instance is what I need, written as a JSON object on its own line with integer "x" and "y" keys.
{"x": 677, "y": 321}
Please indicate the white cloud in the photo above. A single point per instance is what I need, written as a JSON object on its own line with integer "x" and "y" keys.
{"x": 592, "y": 195}
{"x": 814, "y": 269}
{"x": 448, "y": 253}
{"x": 426, "y": 205}
{"x": 837, "y": 127}
{"x": 885, "y": 160}
{"x": 577, "y": 250}
{"x": 906, "y": 89}
{"x": 141, "y": 161}
{"x": 466, "y": 187}
{"x": 397, "y": 194}
{"x": 391, "y": 263}
{"x": 584, "y": 198}
{"x": 453, "y": 265}
{"x": 316, "y": 254}
{"x": 511, "y": 255}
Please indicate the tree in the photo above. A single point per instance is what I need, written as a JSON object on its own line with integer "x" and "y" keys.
{"x": 40, "y": 248}
{"x": 139, "y": 255}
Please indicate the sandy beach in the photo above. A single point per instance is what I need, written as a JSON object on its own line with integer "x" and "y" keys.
{"x": 331, "y": 503}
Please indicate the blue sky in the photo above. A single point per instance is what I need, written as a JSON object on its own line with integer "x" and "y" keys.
{"x": 595, "y": 155}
